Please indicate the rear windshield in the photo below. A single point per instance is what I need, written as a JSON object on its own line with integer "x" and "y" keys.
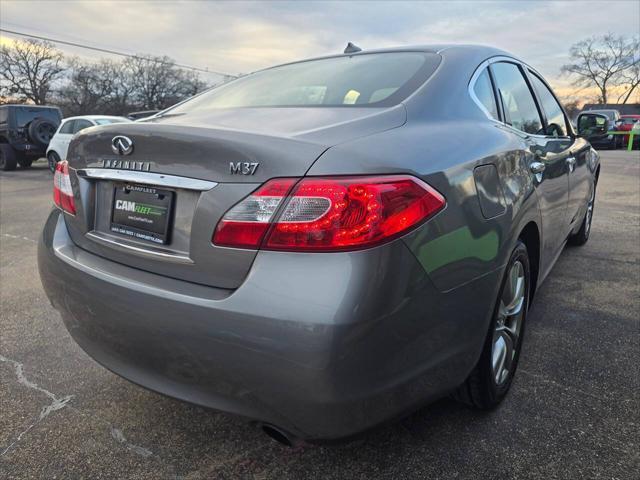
{"x": 107, "y": 121}
{"x": 25, "y": 115}
{"x": 365, "y": 80}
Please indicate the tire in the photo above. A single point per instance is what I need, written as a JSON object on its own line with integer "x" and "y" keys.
{"x": 489, "y": 381}
{"x": 582, "y": 236}
{"x": 24, "y": 161}
{"x": 41, "y": 131}
{"x": 53, "y": 158}
{"x": 8, "y": 160}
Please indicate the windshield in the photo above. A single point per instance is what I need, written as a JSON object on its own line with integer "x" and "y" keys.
{"x": 381, "y": 79}
{"x": 107, "y": 121}
{"x": 25, "y": 115}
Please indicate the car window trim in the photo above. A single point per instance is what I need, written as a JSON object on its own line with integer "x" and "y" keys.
{"x": 530, "y": 71}
{"x": 536, "y": 99}
{"x": 496, "y": 99}
{"x": 542, "y": 118}
{"x": 472, "y": 93}
{"x": 486, "y": 64}
{"x": 494, "y": 92}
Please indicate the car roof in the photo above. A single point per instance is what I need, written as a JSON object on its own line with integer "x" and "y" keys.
{"x": 93, "y": 117}
{"x": 27, "y": 105}
{"x": 630, "y": 115}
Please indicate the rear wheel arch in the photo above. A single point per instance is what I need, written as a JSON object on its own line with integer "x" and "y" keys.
{"x": 530, "y": 236}
{"x": 52, "y": 159}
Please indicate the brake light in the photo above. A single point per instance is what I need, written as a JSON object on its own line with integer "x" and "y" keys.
{"x": 246, "y": 223}
{"x": 328, "y": 214}
{"x": 62, "y": 191}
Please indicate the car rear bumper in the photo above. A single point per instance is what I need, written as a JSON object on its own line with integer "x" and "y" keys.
{"x": 321, "y": 345}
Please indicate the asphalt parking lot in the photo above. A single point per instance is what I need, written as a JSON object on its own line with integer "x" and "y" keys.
{"x": 573, "y": 411}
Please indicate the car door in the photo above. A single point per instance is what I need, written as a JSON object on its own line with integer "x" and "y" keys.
{"x": 557, "y": 125}
{"x": 546, "y": 156}
{"x": 60, "y": 141}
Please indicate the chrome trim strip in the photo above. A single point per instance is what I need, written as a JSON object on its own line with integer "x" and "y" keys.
{"x": 143, "y": 252}
{"x": 146, "y": 178}
{"x": 472, "y": 83}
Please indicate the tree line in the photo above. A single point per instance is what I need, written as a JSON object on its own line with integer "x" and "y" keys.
{"x": 34, "y": 71}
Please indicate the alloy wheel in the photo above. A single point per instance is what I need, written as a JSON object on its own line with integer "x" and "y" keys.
{"x": 509, "y": 323}
{"x": 589, "y": 214}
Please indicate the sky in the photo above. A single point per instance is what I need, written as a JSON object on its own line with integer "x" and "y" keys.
{"x": 240, "y": 37}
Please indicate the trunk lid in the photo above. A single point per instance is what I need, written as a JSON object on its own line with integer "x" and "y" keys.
{"x": 201, "y": 165}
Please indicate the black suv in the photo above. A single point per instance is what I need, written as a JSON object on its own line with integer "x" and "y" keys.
{"x": 25, "y": 132}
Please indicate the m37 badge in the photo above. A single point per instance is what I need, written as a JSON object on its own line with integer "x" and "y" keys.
{"x": 243, "y": 168}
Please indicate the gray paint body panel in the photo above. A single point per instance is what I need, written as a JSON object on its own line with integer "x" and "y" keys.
{"x": 489, "y": 191}
{"x": 322, "y": 344}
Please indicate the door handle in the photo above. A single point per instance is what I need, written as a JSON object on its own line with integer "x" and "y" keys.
{"x": 571, "y": 161}
{"x": 537, "y": 167}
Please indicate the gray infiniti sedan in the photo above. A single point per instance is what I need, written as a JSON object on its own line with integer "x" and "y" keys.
{"x": 325, "y": 245}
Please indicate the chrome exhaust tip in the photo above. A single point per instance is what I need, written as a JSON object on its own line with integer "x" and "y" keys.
{"x": 281, "y": 436}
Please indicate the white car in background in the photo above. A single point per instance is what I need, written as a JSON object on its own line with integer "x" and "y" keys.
{"x": 57, "y": 149}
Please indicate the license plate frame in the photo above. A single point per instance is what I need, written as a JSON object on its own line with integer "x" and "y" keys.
{"x": 142, "y": 212}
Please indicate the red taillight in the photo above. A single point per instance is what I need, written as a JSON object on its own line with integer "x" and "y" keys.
{"x": 62, "y": 191}
{"x": 325, "y": 214}
{"x": 246, "y": 223}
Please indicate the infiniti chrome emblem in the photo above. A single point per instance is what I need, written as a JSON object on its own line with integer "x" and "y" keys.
{"x": 121, "y": 145}
{"x": 125, "y": 165}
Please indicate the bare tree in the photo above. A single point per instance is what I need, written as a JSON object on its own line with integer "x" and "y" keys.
{"x": 28, "y": 69}
{"x": 630, "y": 80}
{"x": 602, "y": 62}
{"x": 158, "y": 83}
{"x": 85, "y": 91}
{"x": 117, "y": 88}
{"x": 102, "y": 88}
{"x": 572, "y": 107}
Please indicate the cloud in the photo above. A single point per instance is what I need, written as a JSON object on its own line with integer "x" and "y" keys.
{"x": 245, "y": 36}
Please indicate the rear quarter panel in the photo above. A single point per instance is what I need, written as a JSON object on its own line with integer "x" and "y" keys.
{"x": 459, "y": 244}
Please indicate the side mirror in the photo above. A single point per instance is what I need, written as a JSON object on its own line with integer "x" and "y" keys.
{"x": 592, "y": 124}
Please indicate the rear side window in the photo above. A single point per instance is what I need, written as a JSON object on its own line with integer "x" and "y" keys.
{"x": 108, "y": 121}
{"x": 363, "y": 80}
{"x": 518, "y": 104}
{"x": 67, "y": 127}
{"x": 484, "y": 92}
{"x": 4, "y": 114}
{"x": 556, "y": 122}
{"x": 25, "y": 114}
{"x": 81, "y": 125}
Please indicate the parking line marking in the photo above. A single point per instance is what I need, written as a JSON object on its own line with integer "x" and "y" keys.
{"x": 18, "y": 237}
